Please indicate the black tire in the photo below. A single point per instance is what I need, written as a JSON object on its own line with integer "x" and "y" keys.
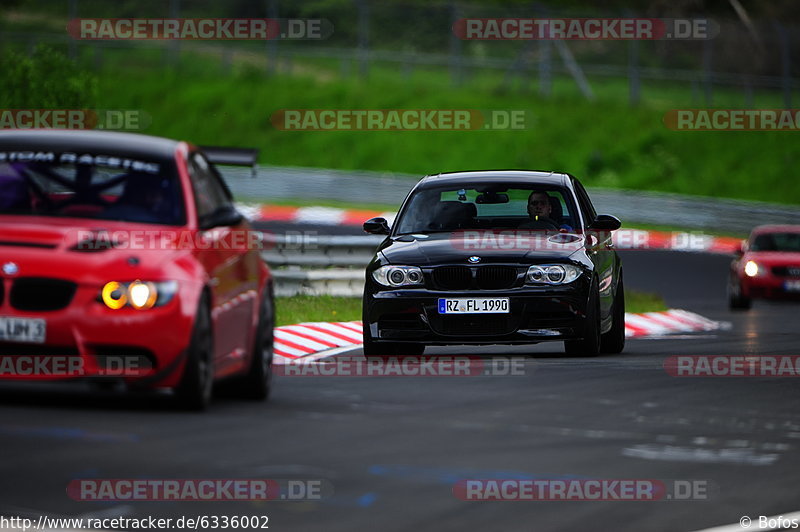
{"x": 589, "y": 345}
{"x": 613, "y": 342}
{"x": 197, "y": 383}
{"x": 736, "y": 301}
{"x": 257, "y": 383}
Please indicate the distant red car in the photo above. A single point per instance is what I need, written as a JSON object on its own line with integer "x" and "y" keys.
{"x": 766, "y": 267}
{"x": 123, "y": 258}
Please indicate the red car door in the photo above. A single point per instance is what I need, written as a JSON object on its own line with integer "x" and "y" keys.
{"x": 223, "y": 252}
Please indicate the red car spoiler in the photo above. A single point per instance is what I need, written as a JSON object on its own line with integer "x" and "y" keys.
{"x": 232, "y": 156}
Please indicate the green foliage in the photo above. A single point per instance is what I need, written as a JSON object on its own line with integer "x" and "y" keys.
{"x": 45, "y": 80}
{"x": 605, "y": 142}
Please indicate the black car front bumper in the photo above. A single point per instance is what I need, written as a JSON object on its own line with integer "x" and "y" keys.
{"x": 537, "y": 313}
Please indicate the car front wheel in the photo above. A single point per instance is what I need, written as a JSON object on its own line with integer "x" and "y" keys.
{"x": 613, "y": 341}
{"x": 195, "y": 389}
{"x": 257, "y": 383}
{"x": 736, "y": 299}
{"x": 589, "y": 345}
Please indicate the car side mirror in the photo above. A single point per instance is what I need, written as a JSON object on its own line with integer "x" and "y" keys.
{"x": 377, "y": 226}
{"x": 605, "y": 222}
{"x": 742, "y": 249}
{"x": 223, "y": 217}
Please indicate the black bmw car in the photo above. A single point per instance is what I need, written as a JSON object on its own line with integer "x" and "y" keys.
{"x": 495, "y": 257}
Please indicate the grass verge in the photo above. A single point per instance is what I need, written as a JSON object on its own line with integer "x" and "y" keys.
{"x": 297, "y": 309}
{"x": 638, "y": 302}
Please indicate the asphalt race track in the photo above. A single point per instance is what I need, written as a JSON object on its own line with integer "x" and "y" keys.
{"x": 393, "y": 447}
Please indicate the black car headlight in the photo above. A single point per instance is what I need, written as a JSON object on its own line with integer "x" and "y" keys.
{"x": 552, "y": 274}
{"x": 138, "y": 294}
{"x": 395, "y": 276}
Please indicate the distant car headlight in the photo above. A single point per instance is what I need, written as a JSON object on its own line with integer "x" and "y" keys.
{"x": 552, "y": 274}
{"x": 138, "y": 294}
{"x": 751, "y": 268}
{"x": 395, "y": 276}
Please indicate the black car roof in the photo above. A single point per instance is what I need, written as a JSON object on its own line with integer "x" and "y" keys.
{"x": 62, "y": 140}
{"x": 523, "y": 176}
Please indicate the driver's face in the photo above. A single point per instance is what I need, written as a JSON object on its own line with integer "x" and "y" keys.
{"x": 539, "y": 205}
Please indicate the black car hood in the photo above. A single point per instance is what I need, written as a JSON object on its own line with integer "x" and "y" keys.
{"x": 490, "y": 246}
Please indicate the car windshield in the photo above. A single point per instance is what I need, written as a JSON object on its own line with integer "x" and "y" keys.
{"x": 105, "y": 187}
{"x": 776, "y": 242}
{"x": 453, "y": 208}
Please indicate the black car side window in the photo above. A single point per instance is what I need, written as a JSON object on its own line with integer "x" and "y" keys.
{"x": 587, "y": 208}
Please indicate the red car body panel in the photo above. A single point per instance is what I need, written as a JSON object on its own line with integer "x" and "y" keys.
{"x": 214, "y": 260}
{"x": 778, "y": 271}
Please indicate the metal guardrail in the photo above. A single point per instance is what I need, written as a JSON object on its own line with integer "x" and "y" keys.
{"x": 345, "y": 283}
{"x": 332, "y": 265}
{"x": 657, "y": 208}
{"x": 320, "y": 251}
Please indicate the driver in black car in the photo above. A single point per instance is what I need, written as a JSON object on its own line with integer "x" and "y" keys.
{"x": 540, "y": 210}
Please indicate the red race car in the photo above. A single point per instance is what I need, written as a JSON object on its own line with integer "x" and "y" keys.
{"x": 123, "y": 258}
{"x": 766, "y": 267}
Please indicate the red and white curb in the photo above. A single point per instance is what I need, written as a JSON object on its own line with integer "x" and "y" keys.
{"x": 311, "y": 215}
{"x": 306, "y": 339}
{"x": 673, "y": 321}
{"x": 327, "y": 339}
{"x": 623, "y": 238}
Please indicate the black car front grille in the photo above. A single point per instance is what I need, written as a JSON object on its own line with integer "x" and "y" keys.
{"x": 452, "y": 277}
{"x": 41, "y": 293}
{"x": 495, "y": 277}
{"x": 485, "y": 278}
{"x": 475, "y": 325}
{"x": 786, "y": 271}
